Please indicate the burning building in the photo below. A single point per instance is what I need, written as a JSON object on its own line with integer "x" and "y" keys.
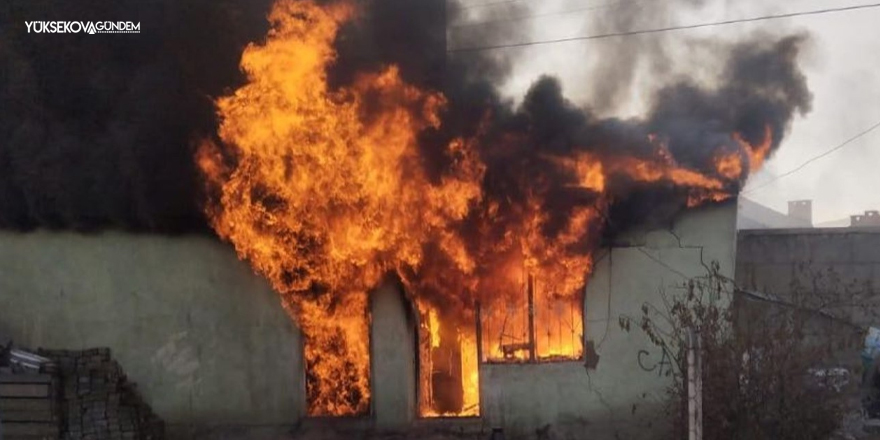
{"x": 443, "y": 253}
{"x": 327, "y": 185}
{"x": 211, "y": 349}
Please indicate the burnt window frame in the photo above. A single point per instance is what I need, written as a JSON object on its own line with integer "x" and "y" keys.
{"x": 532, "y": 345}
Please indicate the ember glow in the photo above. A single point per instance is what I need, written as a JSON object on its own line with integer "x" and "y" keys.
{"x": 326, "y": 191}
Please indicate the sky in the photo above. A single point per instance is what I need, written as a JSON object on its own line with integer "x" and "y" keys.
{"x": 841, "y": 61}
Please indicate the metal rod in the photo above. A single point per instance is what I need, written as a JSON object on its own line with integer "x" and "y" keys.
{"x": 531, "y": 293}
{"x": 479, "y": 316}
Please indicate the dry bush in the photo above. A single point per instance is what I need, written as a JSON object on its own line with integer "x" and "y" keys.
{"x": 759, "y": 380}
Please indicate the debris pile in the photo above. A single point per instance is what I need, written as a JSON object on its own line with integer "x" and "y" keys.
{"x": 28, "y": 395}
{"x": 28, "y": 407}
{"x": 98, "y": 402}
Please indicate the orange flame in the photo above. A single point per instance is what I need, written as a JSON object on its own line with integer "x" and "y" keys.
{"x": 756, "y": 153}
{"x": 449, "y": 377}
{"x": 730, "y": 165}
{"x": 322, "y": 202}
{"x": 324, "y": 193}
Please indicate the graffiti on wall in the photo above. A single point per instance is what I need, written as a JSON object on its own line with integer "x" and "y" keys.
{"x": 661, "y": 364}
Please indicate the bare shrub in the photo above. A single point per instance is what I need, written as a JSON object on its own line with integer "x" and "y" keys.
{"x": 760, "y": 378}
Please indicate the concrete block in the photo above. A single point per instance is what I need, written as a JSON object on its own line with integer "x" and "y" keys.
{"x": 28, "y": 416}
{"x": 24, "y": 404}
{"x": 25, "y": 378}
{"x": 38, "y": 430}
{"x": 23, "y": 390}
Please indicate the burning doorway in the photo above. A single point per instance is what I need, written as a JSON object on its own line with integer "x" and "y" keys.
{"x": 449, "y": 376}
{"x": 531, "y": 324}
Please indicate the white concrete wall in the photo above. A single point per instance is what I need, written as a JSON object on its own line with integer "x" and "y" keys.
{"x": 208, "y": 342}
{"x": 205, "y": 338}
{"x": 622, "y": 397}
{"x": 393, "y": 358}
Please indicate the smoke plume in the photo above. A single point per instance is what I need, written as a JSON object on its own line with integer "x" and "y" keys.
{"x": 761, "y": 87}
{"x": 97, "y": 131}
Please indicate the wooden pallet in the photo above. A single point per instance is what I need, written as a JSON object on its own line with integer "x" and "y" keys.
{"x": 29, "y": 406}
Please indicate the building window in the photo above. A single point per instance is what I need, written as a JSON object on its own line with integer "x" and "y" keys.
{"x": 533, "y": 325}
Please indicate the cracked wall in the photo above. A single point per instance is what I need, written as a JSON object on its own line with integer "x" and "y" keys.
{"x": 208, "y": 342}
{"x": 623, "y": 396}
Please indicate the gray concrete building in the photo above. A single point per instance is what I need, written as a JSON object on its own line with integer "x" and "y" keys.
{"x": 830, "y": 276}
{"x": 811, "y": 262}
{"x": 870, "y": 219}
{"x": 753, "y": 215}
{"x": 214, "y": 352}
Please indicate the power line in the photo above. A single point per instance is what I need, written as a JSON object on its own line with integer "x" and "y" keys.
{"x": 593, "y": 7}
{"x": 813, "y": 159}
{"x": 589, "y": 8}
{"x": 480, "y": 5}
{"x": 666, "y": 29}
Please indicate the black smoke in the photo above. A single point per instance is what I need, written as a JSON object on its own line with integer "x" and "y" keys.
{"x": 97, "y": 131}
{"x": 760, "y": 86}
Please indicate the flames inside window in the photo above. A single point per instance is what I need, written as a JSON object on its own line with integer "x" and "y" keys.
{"x": 533, "y": 324}
{"x": 537, "y": 324}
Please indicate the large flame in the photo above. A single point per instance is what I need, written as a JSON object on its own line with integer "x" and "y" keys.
{"x": 323, "y": 191}
{"x": 324, "y": 199}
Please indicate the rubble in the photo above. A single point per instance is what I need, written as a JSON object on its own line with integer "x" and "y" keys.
{"x": 28, "y": 395}
{"x": 72, "y": 395}
{"x": 97, "y": 400}
{"x": 28, "y": 405}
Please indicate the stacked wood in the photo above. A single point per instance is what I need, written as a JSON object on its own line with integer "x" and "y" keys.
{"x": 97, "y": 400}
{"x": 28, "y": 405}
